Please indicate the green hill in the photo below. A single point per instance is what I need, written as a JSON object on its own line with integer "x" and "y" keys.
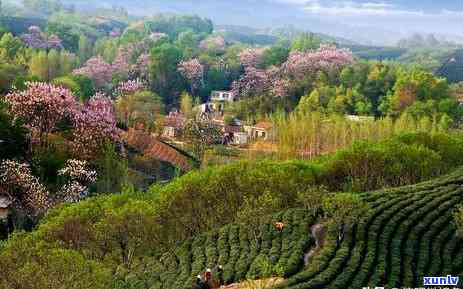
{"x": 164, "y": 237}
{"x": 243, "y": 253}
{"x": 409, "y": 235}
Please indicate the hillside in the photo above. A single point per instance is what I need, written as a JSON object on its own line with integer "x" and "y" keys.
{"x": 409, "y": 234}
{"x": 243, "y": 253}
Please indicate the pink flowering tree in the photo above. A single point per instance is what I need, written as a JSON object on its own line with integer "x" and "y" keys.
{"x": 253, "y": 82}
{"x": 300, "y": 68}
{"x": 193, "y": 71}
{"x": 94, "y": 126}
{"x": 251, "y": 57}
{"x": 78, "y": 177}
{"x": 42, "y": 106}
{"x": 327, "y": 58}
{"x": 35, "y": 38}
{"x": 216, "y": 43}
{"x": 129, "y": 87}
{"x": 23, "y": 189}
{"x": 30, "y": 197}
{"x": 97, "y": 70}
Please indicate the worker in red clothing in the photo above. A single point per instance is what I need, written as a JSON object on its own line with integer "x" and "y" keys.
{"x": 279, "y": 226}
{"x": 208, "y": 280}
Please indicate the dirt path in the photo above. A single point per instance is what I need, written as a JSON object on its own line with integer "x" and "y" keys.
{"x": 319, "y": 233}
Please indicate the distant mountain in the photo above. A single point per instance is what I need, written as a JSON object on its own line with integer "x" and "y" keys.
{"x": 251, "y": 13}
{"x": 262, "y": 14}
{"x": 268, "y": 36}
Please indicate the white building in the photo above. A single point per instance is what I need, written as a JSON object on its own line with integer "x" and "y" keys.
{"x": 262, "y": 130}
{"x": 240, "y": 138}
{"x": 222, "y": 96}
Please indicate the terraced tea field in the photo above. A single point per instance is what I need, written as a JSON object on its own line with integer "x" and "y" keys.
{"x": 409, "y": 234}
{"x": 243, "y": 253}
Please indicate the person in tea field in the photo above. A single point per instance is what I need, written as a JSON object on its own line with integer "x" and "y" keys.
{"x": 218, "y": 276}
{"x": 199, "y": 283}
{"x": 279, "y": 226}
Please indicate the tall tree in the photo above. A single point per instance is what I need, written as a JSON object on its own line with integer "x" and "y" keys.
{"x": 344, "y": 210}
{"x": 42, "y": 107}
{"x": 166, "y": 80}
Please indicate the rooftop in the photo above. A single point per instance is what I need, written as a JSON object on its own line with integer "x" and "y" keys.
{"x": 264, "y": 125}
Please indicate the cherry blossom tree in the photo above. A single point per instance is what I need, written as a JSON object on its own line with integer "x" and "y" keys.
{"x": 78, "y": 177}
{"x": 129, "y": 87}
{"x": 42, "y": 107}
{"x": 327, "y": 58}
{"x": 22, "y": 188}
{"x": 94, "y": 126}
{"x": 277, "y": 81}
{"x": 251, "y": 57}
{"x": 213, "y": 43}
{"x": 97, "y": 70}
{"x": 35, "y": 38}
{"x": 31, "y": 197}
{"x": 253, "y": 82}
{"x": 193, "y": 71}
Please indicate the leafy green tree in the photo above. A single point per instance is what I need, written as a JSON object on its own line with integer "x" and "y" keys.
{"x": 112, "y": 171}
{"x": 107, "y": 48}
{"x": 80, "y": 85}
{"x": 344, "y": 211}
{"x": 310, "y": 102}
{"x": 13, "y": 136}
{"x": 255, "y": 212}
{"x": 201, "y": 135}
{"x": 174, "y": 25}
{"x": 305, "y": 42}
{"x": 165, "y": 78}
{"x": 28, "y": 263}
{"x": 186, "y": 104}
{"x": 69, "y": 83}
{"x": 10, "y": 47}
{"x": 139, "y": 107}
{"x": 86, "y": 86}
{"x": 445, "y": 122}
{"x": 54, "y": 64}
{"x": 129, "y": 230}
{"x": 67, "y": 33}
{"x": 9, "y": 73}
{"x": 417, "y": 85}
{"x": 39, "y": 65}
{"x": 188, "y": 42}
{"x": 312, "y": 198}
{"x": 275, "y": 55}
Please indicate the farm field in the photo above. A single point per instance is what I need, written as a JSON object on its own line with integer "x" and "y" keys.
{"x": 409, "y": 234}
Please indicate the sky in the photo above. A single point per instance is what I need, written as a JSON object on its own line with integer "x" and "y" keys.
{"x": 390, "y": 17}
{"x": 366, "y": 21}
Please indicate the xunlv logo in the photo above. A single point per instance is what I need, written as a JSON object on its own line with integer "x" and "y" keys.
{"x": 449, "y": 280}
